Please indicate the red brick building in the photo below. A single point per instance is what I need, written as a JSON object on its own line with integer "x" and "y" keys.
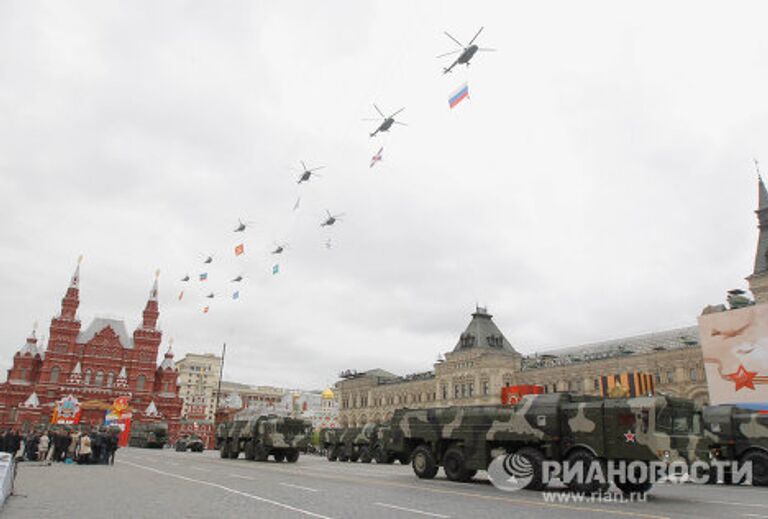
{"x": 95, "y": 364}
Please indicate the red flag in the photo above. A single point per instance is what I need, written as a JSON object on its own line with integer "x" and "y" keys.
{"x": 240, "y": 249}
{"x": 181, "y": 294}
{"x": 205, "y": 310}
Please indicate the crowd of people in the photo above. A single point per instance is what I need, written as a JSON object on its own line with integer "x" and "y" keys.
{"x": 62, "y": 444}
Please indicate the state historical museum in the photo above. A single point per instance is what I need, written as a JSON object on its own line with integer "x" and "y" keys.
{"x": 95, "y": 365}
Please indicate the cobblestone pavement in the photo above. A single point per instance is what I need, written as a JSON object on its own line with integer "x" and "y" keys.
{"x": 167, "y": 484}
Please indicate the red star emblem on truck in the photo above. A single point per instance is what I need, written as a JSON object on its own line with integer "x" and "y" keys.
{"x": 742, "y": 378}
{"x": 629, "y": 437}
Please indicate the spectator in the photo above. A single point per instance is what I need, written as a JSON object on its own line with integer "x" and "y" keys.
{"x": 84, "y": 450}
{"x": 42, "y": 447}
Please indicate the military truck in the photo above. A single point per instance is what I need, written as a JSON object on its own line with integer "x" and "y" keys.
{"x": 191, "y": 443}
{"x": 559, "y": 427}
{"x": 365, "y": 444}
{"x": 738, "y": 434}
{"x": 381, "y": 449}
{"x": 149, "y": 435}
{"x": 342, "y": 444}
{"x": 259, "y": 437}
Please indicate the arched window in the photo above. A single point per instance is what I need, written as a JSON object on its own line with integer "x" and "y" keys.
{"x": 99, "y": 380}
{"x": 110, "y": 379}
{"x": 55, "y": 371}
{"x": 87, "y": 379}
{"x": 140, "y": 381}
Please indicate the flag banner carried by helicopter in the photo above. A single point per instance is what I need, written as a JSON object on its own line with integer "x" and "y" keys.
{"x": 459, "y": 95}
{"x": 735, "y": 348}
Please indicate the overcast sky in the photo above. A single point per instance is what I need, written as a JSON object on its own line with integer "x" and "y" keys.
{"x": 598, "y": 183}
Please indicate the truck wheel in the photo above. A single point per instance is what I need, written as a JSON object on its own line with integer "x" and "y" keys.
{"x": 629, "y": 489}
{"x": 365, "y": 455}
{"x": 292, "y": 456}
{"x": 332, "y": 454}
{"x": 424, "y": 463}
{"x": 279, "y": 457}
{"x": 343, "y": 455}
{"x": 586, "y": 459}
{"x": 260, "y": 452}
{"x": 249, "y": 454}
{"x": 536, "y": 459}
{"x": 455, "y": 465}
{"x": 354, "y": 456}
{"x": 234, "y": 449}
{"x": 759, "y": 461}
{"x": 223, "y": 450}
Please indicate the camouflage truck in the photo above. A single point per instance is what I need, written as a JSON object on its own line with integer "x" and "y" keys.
{"x": 738, "y": 434}
{"x": 382, "y": 451}
{"x": 368, "y": 443}
{"x": 342, "y": 444}
{"x": 192, "y": 443}
{"x": 262, "y": 436}
{"x": 559, "y": 427}
{"x": 149, "y": 435}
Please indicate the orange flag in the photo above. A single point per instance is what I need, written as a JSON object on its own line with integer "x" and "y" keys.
{"x": 240, "y": 249}
{"x": 205, "y": 310}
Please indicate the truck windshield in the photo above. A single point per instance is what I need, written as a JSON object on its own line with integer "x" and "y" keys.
{"x": 678, "y": 420}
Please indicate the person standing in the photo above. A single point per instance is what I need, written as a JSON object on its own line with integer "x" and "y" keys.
{"x": 84, "y": 450}
{"x": 42, "y": 447}
{"x": 113, "y": 446}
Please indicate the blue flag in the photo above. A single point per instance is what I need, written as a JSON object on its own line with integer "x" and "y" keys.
{"x": 275, "y": 268}
{"x": 236, "y": 294}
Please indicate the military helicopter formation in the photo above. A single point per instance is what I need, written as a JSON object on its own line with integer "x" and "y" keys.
{"x": 386, "y": 122}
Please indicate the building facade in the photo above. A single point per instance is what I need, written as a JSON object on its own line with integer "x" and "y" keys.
{"x": 95, "y": 364}
{"x": 483, "y": 362}
{"x": 198, "y": 383}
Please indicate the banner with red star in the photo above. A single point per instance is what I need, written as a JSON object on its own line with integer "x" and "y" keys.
{"x": 735, "y": 348}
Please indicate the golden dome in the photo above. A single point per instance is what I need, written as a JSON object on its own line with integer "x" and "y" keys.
{"x": 327, "y": 394}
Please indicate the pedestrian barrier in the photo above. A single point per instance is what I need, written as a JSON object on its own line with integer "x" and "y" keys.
{"x": 7, "y": 469}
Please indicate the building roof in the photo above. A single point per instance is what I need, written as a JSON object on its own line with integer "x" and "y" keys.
{"x": 99, "y": 323}
{"x": 31, "y": 401}
{"x": 482, "y": 333}
{"x": 676, "y": 338}
{"x": 30, "y": 347}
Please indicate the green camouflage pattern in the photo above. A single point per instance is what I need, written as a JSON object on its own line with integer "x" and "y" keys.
{"x": 646, "y": 429}
{"x": 149, "y": 435}
{"x": 262, "y": 436}
{"x": 734, "y": 430}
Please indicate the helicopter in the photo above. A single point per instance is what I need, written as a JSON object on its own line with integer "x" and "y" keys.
{"x": 238, "y": 279}
{"x": 185, "y": 278}
{"x": 241, "y": 225}
{"x": 387, "y": 123}
{"x": 210, "y": 296}
{"x": 209, "y": 259}
{"x": 466, "y": 52}
{"x": 307, "y": 173}
{"x": 279, "y": 249}
{"x": 332, "y": 218}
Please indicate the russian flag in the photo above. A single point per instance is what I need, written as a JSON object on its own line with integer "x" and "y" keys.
{"x": 458, "y": 96}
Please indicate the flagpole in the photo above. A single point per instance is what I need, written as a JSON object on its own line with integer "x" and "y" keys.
{"x": 221, "y": 374}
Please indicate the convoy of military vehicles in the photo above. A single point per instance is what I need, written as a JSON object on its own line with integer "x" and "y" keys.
{"x": 578, "y": 430}
{"x": 259, "y": 437}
